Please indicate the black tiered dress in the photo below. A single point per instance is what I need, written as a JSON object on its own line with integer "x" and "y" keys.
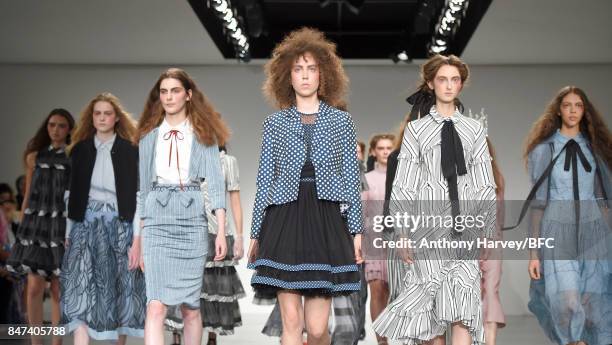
{"x": 40, "y": 239}
{"x": 305, "y": 245}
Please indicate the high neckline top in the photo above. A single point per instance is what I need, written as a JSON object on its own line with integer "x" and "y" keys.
{"x": 439, "y": 118}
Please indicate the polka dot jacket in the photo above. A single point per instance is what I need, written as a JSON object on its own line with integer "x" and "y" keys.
{"x": 334, "y": 156}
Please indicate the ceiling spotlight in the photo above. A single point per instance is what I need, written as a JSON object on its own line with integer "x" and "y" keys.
{"x": 232, "y": 28}
{"x": 400, "y": 56}
{"x": 448, "y": 24}
{"x": 438, "y": 49}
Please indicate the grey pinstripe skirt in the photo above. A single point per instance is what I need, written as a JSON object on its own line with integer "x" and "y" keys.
{"x": 174, "y": 244}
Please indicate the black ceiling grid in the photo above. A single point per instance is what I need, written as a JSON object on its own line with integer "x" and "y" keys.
{"x": 379, "y": 30}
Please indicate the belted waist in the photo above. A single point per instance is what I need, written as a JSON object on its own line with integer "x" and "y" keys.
{"x": 164, "y": 192}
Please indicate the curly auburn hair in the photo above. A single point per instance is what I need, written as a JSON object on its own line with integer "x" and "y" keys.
{"x": 592, "y": 125}
{"x": 207, "y": 124}
{"x": 333, "y": 81}
{"x": 125, "y": 127}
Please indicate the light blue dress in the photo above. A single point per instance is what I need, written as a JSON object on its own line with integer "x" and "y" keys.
{"x": 572, "y": 299}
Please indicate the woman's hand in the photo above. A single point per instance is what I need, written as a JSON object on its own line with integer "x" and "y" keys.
{"x": 238, "y": 247}
{"x": 534, "y": 269}
{"x": 358, "y": 252}
{"x": 253, "y": 247}
{"x": 134, "y": 254}
{"x": 220, "y": 246}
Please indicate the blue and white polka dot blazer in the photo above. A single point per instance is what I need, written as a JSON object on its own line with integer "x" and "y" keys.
{"x": 334, "y": 156}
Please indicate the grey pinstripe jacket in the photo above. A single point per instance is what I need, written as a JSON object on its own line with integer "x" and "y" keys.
{"x": 204, "y": 164}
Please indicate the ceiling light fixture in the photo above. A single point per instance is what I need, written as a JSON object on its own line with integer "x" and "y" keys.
{"x": 232, "y": 28}
{"x": 448, "y": 23}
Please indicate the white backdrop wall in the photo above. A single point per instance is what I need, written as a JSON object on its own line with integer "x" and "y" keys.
{"x": 512, "y": 96}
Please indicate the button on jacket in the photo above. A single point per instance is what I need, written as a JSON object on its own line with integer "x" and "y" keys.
{"x": 334, "y": 156}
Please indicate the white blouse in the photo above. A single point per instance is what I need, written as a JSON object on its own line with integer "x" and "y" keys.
{"x": 103, "y": 175}
{"x": 170, "y": 167}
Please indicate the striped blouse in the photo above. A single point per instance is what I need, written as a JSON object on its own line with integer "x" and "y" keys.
{"x": 419, "y": 172}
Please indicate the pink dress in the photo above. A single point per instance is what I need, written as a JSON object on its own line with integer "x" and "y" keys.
{"x": 373, "y": 202}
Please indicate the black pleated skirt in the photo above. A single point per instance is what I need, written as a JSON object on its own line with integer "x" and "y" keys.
{"x": 305, "y": 246}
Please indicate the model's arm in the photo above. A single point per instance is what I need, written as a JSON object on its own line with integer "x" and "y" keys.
{"x": 73, "y": 175}
{"x": 233, "y": 187}
{"x": 29, "y": 172}
{"x": 350, "y": 169}
{"x": 143, "y": 184}
{"x": 216, "y": 183}
{"x": 265, "y": 175}
{"x": 216, "y": 192}
{"x": 536, "y": 164}
{"x": 408, "y": 174}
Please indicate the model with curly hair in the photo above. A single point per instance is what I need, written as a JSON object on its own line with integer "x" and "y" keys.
{"x": 307, "y": 221}
{"x": 569, "y": 156}
{"x": 40, "y": 239}
{"x": 103, "y": 292}
{"x": 444, "y": 169}
{"x": 179, "y": 136}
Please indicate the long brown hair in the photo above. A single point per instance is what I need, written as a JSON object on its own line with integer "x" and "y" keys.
{"x": 125, "y": 127}
{"x": 207, "y": 124}
{"x": 400, "y": 132}
{"x": 42, "y": 139}
{"x": 592, "y": 125}
{"x": 333, "y": 81}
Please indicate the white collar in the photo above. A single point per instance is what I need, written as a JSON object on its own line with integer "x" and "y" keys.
{"x": 439, "y": 118}
{"x": 182, "y": 127}
{"x": 104, "y": 145}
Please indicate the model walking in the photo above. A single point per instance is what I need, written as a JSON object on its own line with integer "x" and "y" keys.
{"x": 179, "y": 131}
{"x": 103, "y": 291}
{"x": 301, "y": 245}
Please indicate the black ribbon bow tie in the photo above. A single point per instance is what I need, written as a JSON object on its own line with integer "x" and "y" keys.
{"x": 571, "y": 158}
{"x": 573, "y": 153}
{"x": 453, "y": 162}
{"x": 421, "y": 102}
